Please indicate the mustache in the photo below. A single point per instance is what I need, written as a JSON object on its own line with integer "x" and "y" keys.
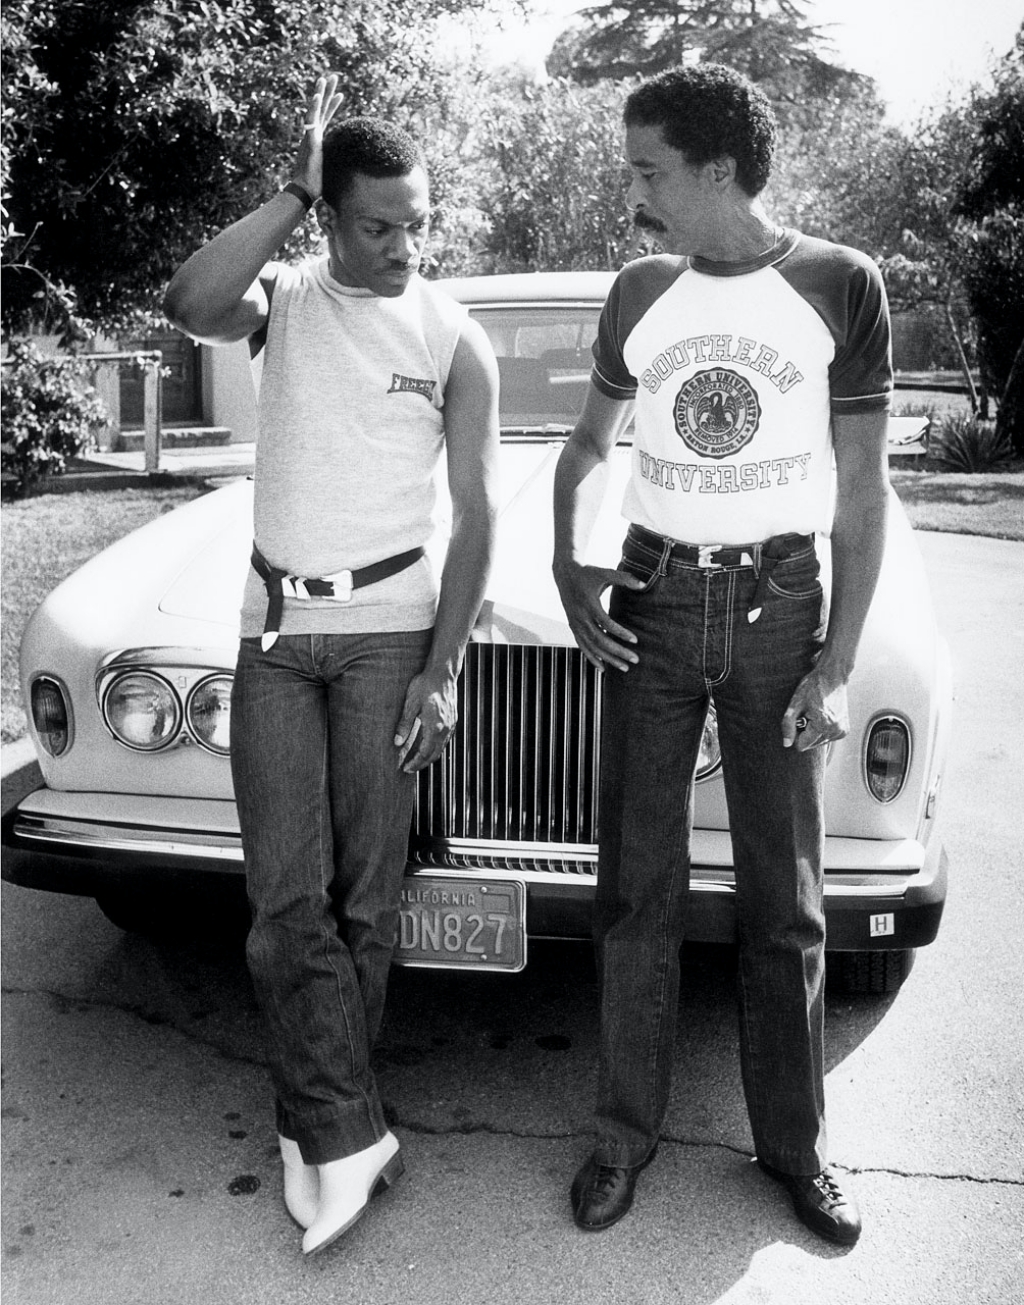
{"x": 643, "y": 220}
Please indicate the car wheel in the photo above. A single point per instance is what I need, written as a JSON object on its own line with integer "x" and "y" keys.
{"x": 870, "y": 973}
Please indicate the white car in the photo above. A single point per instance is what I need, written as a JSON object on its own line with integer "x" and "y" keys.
{"x": 127, "y": 665}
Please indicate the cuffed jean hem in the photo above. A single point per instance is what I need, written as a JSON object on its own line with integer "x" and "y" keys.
{"x": 334, "y": 1134}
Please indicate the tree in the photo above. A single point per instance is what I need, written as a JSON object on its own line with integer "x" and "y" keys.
{"x": 556, "y": 192}
{"x": 990, "y": 241}
{"x": 852, "y": 177}
{"x": 134, "y": 129}
{"x": 771, "y": 41}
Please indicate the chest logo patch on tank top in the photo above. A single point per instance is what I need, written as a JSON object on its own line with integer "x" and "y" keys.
{"x": 411, "y": 384}
{"x": 717, "y": 412}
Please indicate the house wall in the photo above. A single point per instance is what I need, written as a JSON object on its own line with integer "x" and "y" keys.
{"x": 229, "y": 389}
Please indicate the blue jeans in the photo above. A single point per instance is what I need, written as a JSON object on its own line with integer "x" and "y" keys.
{"x": 325, "y": 814}
{"x": 694, "y": 643}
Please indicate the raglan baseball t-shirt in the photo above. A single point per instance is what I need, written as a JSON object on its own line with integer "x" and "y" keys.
{"x": 736, "y": 370}
{"x": 350, "y": 429}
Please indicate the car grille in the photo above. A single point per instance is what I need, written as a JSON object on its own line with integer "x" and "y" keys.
{"x": 517, "y": 786}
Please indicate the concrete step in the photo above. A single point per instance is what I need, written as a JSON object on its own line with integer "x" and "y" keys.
{"x": 181, "y": 437}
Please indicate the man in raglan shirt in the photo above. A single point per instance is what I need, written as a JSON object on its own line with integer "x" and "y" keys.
{"x": 749, "y": 355}
{"x": 346, "y": 676}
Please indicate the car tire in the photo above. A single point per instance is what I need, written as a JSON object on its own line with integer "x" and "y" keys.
{"x": 870, "y": 974}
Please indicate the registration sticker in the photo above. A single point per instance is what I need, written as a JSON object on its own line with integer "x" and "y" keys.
{"x": 448, "y": 922}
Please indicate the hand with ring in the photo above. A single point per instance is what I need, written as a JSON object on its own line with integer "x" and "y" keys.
{"x": 818, "y": 713}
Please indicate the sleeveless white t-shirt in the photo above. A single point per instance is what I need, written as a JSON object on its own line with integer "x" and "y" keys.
{"x": 350, "y": 429}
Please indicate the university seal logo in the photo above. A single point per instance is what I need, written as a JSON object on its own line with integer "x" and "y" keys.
{"x": 717, "y": 413}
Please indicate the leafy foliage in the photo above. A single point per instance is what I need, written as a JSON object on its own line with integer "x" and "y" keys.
{"x": 964, "y": 443}
{"x": 990, "y": 241}
{"x": 137, "y": 128}
{"x": 941, "y": 211}
{"x": 50, "y": 412}
{"x": 556, "y": 196}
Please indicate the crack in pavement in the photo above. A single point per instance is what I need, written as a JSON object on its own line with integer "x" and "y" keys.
{"x": 467, "y": 1129}
{"x": 666, "y": 1140}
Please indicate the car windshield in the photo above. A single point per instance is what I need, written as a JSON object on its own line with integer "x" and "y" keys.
{"x": 544, "y": 362}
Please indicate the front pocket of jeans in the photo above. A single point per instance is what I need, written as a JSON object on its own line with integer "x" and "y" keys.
{"x": 643, "y": 569}
{"x": 796, "y": 578}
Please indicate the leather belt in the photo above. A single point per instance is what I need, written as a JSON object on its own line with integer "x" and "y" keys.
{"x": 282, "y": 584}
{"x": 762, "y": 556}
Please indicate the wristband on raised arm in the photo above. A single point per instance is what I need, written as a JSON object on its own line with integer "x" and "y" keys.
{"x": 300, "y": 193}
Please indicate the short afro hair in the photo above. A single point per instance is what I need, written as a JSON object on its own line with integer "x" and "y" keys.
{"x": 706, "y": 111}
{"x": 368, "y": 145}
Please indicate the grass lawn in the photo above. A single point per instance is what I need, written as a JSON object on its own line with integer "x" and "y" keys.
{"x": 45, "y": 538}
{"x": 983, "y": 503}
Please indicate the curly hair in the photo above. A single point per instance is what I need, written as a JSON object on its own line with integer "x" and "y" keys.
{"x": 368, "y": 145}
{"x": 707, "y": 111}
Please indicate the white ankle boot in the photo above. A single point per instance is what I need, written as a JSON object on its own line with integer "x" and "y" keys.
{"x": 301, "y": 1183}
{"x": 346, "y": 1187}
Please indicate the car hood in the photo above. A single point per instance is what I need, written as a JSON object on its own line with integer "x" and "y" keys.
{"x": 522, "y": 601}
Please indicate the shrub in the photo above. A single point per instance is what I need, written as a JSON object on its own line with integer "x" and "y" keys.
{"x": 965, "y": 443}
{"x": 50, "y": 412}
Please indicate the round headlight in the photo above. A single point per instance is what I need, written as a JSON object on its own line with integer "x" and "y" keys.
{"x": 209, "y": 713}
{"x": 142, "y": 711}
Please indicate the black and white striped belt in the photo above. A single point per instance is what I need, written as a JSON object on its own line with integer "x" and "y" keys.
{"x": 339, "y": 586}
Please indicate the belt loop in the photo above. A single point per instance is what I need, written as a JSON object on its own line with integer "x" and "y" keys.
{"x": 757, "y": 559}
{"x": 666, "y": 553}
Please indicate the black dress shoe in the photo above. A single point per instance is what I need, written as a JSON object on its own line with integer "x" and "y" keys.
{"x": 602, "y": 1194}
{"x": 821, "y": 1204}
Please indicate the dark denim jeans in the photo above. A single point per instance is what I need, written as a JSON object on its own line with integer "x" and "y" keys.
{"x": 325, "y": 814}
{"x": 695, "y": 643}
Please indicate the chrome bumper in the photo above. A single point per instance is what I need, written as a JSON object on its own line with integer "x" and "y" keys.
{"x": 878, "y": 893}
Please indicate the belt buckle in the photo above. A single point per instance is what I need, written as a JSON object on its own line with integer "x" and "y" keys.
{"x": 342, "y": 584}
{"x": 704, "y": 558}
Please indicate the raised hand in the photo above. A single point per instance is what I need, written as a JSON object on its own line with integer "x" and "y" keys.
{"x": 322, "y": 106}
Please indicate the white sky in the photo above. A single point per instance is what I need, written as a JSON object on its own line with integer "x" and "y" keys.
{"x": 916, "y": 50}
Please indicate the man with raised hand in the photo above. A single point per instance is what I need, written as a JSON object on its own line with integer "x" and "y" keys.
{"x": 346, "y": 679}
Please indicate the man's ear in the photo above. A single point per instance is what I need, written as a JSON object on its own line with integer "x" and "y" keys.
{"x": 723, "y": 169}
{"x": 325, "y": 216}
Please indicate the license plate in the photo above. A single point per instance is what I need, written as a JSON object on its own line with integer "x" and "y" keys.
{"x": 451, "y": 923}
